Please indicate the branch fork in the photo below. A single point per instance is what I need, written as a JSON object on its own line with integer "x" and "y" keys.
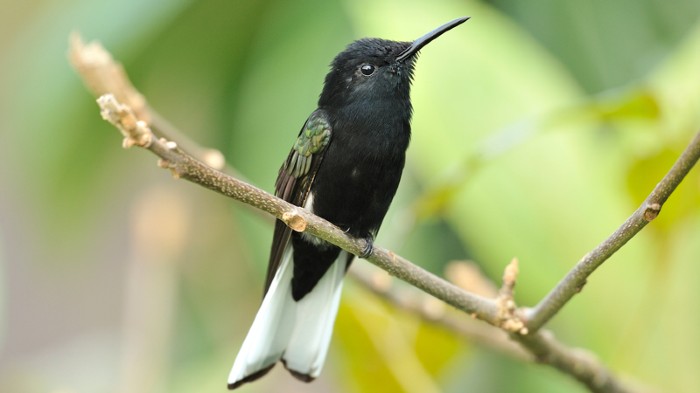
{"x": 652, "y": 211}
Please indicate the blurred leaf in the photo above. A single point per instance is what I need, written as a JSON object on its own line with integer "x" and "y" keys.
{"x": 365, "y": 366}
{"x": 387, "y": 350}
{"x": 436, "y": 347}
{"x": 638, "y": 104}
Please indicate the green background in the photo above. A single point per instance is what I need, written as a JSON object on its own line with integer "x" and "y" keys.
{"x": 539, "y": 127}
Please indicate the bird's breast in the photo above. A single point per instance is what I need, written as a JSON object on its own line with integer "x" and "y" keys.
{"x": 360, "y": 173}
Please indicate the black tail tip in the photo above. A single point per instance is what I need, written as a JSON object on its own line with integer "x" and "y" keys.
{"x": 296, "y": 374}
{"x": 251, "y": 377}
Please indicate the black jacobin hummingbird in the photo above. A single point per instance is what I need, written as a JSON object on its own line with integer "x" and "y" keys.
{"x": 345, "y": 166}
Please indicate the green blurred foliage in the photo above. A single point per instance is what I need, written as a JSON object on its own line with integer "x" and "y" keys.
{"x": 539, "y": 127}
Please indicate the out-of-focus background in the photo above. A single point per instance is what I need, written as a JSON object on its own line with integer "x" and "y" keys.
{"x": 539, "y": 127}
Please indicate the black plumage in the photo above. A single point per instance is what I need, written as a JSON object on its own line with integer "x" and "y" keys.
{"x": 345, "y": 166}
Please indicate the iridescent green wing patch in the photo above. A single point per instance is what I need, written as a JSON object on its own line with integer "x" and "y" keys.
{"x": 314, "y": 137}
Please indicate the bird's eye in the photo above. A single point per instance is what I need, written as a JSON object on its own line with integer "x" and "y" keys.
{"x": 367, "y": 69}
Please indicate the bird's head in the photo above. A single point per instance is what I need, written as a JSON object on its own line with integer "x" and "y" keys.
{"x": 373, "y": 69}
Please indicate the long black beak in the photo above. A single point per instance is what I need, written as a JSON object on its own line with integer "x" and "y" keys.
{"x": 426, "y": 39}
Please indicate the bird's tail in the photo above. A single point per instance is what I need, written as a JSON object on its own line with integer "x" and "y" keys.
{"x": 297, "y": 333}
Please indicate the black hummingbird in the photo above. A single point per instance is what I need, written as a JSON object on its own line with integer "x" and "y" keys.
{"x": 345, "y": 166}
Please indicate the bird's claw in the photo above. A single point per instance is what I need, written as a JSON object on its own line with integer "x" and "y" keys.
{"x": 369, "y": 247}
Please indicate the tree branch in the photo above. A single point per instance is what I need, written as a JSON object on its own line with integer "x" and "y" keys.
{"x": 500, "y": 312}
{"x": 576, "y": 278}
{"x": 182, "y": 165}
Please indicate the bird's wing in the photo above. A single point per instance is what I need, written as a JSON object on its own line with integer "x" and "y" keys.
{"x": 296, "y": 177}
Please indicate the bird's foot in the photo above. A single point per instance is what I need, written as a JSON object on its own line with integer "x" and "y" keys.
{"x": 369, "y": 246}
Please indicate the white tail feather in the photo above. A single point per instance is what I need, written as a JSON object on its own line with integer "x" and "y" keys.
{"x": 297, "y": 332}
{"x": 313, "y": 327}
{"x": 269, "y": 334}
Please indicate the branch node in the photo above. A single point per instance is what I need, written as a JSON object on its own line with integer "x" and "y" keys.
{"x": 294, "y": 220}
{"x": 128, "y": 143}
{"x": 170, "y": 145}
{"x": 509, "y": 320}
{"x": 136, "y": 132}
{"x": 175, "y": 171}
{"x": 652, "y": 211}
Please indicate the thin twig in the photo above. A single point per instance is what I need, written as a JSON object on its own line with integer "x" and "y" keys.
{"x": 574, "y": 281}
